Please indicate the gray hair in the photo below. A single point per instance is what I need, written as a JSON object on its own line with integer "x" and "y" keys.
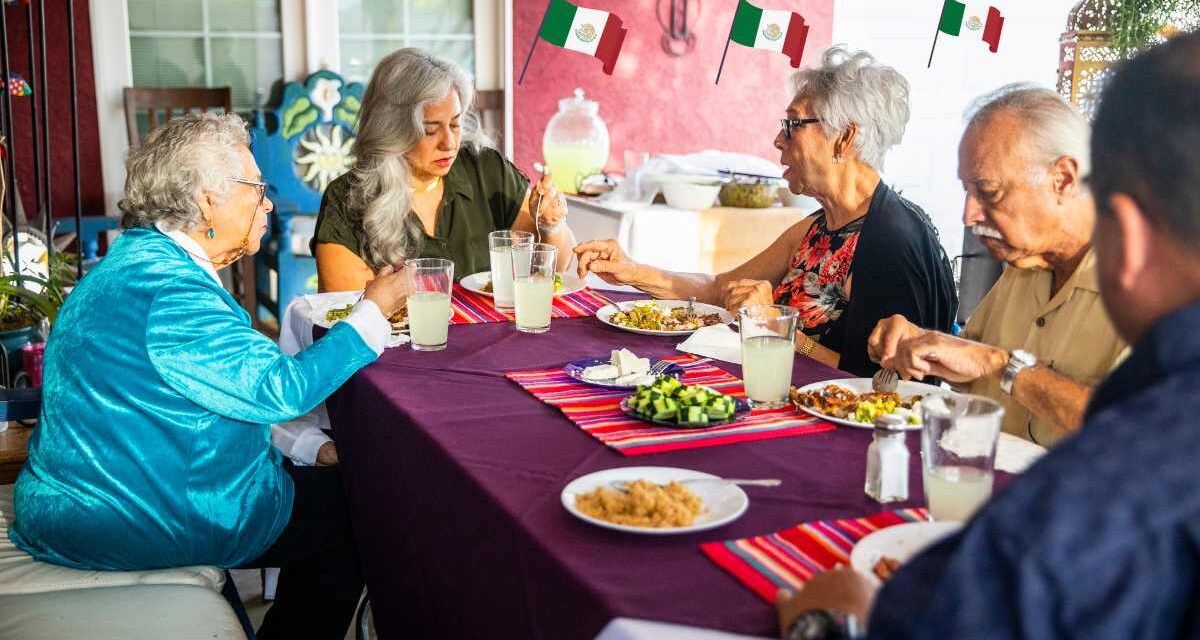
{"x": 1052, "y": 128}
{"x": 392, "y": 123}
{"x": 853, "y": 87}
{"x": 176, "y": 163}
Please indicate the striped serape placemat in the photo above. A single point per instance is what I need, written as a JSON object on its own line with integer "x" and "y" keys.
{"x": 471, "y": 308}
{"x": 596, "y": 411}
{"x": 788, "y": 558}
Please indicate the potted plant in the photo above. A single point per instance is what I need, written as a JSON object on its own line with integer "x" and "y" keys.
{"x": 30, "y": 302}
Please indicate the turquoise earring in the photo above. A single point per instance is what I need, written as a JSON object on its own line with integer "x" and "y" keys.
{"x": 212, "y": 233}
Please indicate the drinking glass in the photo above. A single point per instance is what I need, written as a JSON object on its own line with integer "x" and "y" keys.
{"x": 533, "y": 285}
{"x": 429, "y": 302}
{"x": 768, "y": 348}
{"x": 958, "y": 449}
{"x": 501, "y": 244}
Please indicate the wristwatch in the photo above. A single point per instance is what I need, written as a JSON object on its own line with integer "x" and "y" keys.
{"x": 823, "y": 624}
{"x": 1017, "y": 361}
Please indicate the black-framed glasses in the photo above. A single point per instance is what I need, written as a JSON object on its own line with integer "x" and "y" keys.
{"x": 789, "y": 123}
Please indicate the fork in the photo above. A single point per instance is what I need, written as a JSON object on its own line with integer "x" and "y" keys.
{"x": 885, "y": 380}
{"x": 691, "y": 308}
{"x": 623, "y": 485}
{"x": 660, "y": 368}
{"x": 541, "y": 169}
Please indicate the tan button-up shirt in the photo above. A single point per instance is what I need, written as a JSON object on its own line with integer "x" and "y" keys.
{"x": 1070, "y": 333}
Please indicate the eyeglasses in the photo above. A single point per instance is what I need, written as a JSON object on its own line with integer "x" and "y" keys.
{"x": 788, "y": 123}
{"x": 261, "y": 187}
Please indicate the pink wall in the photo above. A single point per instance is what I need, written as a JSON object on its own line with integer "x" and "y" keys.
{"x": 653, "y": 101}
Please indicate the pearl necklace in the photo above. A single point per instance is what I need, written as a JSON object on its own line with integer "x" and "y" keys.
{"x": 430, "y": 187}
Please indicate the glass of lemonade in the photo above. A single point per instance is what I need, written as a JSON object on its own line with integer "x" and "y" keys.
{"x": 768, "y": 347}
{"x": 501, "y": 244}
{"x": 958, "y": 449}
{"x": 429, "y": 302}
{"x": 533, "y": 285}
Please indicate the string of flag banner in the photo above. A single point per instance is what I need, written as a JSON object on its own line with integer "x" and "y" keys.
{"x": 601, "y": 34}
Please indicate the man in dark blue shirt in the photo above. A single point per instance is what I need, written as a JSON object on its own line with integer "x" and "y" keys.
{"x": 1101, "y": 538}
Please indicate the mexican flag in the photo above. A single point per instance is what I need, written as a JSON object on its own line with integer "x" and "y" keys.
{"x": 596, "y": 33}
{"x": 980, "y": 20}
{"x": 782, "y": 31}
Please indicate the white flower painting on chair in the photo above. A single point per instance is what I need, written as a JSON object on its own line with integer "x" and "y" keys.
{"x": 327, "y": 157}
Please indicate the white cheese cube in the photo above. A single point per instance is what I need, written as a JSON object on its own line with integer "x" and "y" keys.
{"x": 627, "y": 363}
{"x": 601, "y": 372}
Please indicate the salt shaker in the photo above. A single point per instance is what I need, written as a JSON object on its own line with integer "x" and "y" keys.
{"x": 887, "y": 461}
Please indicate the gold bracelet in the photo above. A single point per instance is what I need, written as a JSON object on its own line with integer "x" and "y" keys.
{"x": 806, "y": 347}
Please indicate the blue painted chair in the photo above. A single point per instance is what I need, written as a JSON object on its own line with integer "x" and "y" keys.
{"x": 301, "y": 146}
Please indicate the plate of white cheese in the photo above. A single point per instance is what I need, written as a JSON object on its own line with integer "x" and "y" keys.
{"x": 623, "y": 369}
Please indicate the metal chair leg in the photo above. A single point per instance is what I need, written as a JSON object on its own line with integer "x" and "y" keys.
{"x": 362, "y": 621}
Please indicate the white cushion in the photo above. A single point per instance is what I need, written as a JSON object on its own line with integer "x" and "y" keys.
{"x": 120, "y": 613}
{"x": 20, "y": 573}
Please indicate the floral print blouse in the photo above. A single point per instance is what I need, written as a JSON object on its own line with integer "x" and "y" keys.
{"x": 818, "y": 275}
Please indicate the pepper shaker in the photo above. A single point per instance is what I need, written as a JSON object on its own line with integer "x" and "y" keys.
{"x": 887, "y": 461}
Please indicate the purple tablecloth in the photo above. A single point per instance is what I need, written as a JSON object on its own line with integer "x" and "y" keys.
{"x": 454, "y": 475}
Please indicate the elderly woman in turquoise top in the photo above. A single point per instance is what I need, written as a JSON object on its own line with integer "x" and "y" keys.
{"x": 153, "y": 448}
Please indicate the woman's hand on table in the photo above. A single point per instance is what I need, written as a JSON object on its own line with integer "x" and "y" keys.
{"x": 839, "y": 589}
{"x": 606, "y": 259}
{"x": 388, "y": 290}
{"x": 552, "y": 210}
{"x": 746, "y": 293}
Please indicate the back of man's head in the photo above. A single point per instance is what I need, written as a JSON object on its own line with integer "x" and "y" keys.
{"x": 1146, "y": 137}
{"x": 1146, "y": 183}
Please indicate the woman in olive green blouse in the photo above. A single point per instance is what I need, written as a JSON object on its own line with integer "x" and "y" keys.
{"x": 424, "y": 184}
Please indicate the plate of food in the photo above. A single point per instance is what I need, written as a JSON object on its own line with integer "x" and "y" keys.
{"x": 880, "y": 554}
{"x": 672, "y": 403}
{"x": 621, "y": 370}
{"x": 662, "y": 317}
{"x": 654, "y": 500}
{"x": 330, "y": 314}
{"x": 481, "y": 283}
{"x": 850, "y": 401}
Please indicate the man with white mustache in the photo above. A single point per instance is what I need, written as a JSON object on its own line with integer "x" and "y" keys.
{"x": 1041, "y": 338}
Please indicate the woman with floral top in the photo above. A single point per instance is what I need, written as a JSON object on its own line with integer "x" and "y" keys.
{"x": 866, "y": 254}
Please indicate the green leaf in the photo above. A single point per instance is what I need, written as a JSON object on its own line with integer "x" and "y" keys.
{"x": 298, "y": 116}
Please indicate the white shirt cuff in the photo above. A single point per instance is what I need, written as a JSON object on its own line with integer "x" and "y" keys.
{"x": 371, "y": 325}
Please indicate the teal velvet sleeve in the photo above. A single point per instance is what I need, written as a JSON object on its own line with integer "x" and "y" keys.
{"x": 208, "y": 352}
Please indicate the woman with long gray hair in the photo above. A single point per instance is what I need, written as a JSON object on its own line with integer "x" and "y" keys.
{"x": 425, "y": 183}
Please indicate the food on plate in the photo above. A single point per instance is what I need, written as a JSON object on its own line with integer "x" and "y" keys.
{"x": 843, "y": 403}
{"x": 646, "y": 314}
{"x": 624, "y": 368}
{"x": 688, "y": 405}
{"x": 884, "y": 567}
{"x": 337, "y": 313}
{"x": 643, "y": 504}
{"x": 558, "y": 284}
{"x": 399, "y": 319}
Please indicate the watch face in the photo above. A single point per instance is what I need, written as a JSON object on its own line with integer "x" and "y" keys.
{"x": 1024, "y": 357}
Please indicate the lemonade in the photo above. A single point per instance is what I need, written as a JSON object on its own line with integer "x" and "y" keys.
{"x": 428, "y": 320}
{"x": 534, "y": 297}
{"x": 570, "y": 163}
{"x": 502, "y": 282}
{"x": 954, "y": 493}
{"x": 767, "y": 368}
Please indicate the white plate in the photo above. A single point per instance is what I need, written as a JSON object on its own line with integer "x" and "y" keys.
{"x": 475, "y": 282}
{"x": 899, "y": 542}
{"x": 317, "y": 315}
{"x": 725, "y": 502}
{"x": 605, "y": 313}
{"x": 905, "y": 388}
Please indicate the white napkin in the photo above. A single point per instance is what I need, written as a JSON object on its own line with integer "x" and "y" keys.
{"x": 1014, "y": 454}
{"x": 717, "y": 341}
